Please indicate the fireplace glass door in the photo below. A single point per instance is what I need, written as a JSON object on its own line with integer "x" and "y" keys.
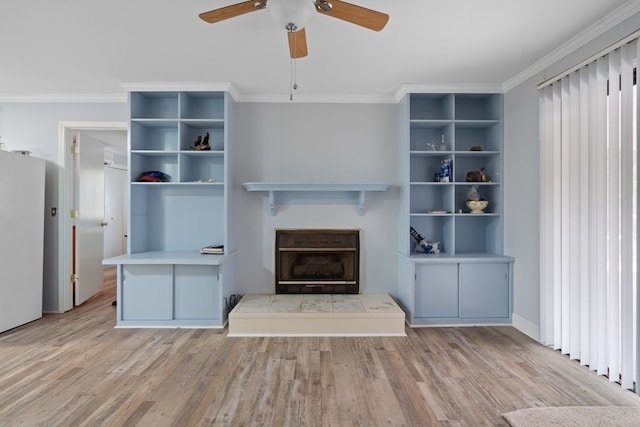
{"x": 317, "y": 261}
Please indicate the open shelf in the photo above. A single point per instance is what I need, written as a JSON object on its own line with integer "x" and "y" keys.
{"x": 299, "y": 193}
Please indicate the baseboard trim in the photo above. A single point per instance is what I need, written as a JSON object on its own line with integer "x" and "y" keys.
{"x": 526, "y": 327}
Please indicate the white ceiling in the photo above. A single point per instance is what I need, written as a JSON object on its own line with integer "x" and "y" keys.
{"x": 92, "y": 47}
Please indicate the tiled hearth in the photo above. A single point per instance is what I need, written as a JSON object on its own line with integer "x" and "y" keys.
{"x": 317, "y": 315}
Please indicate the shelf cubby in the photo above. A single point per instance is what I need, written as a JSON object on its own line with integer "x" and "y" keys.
{"x": 160, "y": 161}
{"x": 487, "y": 191}
{"x": 427, "y": 135}
{"x": 477, "y": 233}
{"x": 424, "y": 165}
{"x": 434, "y": 228}
{"x": 175, "y": 218}
{"x": 465, "y": 163}
{"x": 202, "y": 105}
{"x": 202, "y": 166}
{"x": 431, "y": 107}
{"x": 154, "y": 105}
{"x": 191, "y": 129}
{"x": 430, "y": 198}
{"x": 154, "y": 135}
{"x": 486, "y": 135}
{"x": 478, "y": 107}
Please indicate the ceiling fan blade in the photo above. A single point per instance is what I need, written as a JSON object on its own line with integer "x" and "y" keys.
{"x": 358, "y": 15}
{"x": 231, "y": 11}
{"x": 297, "y": 43}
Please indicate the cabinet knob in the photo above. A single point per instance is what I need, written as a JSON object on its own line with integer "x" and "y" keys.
{"x": 103, "y": 223}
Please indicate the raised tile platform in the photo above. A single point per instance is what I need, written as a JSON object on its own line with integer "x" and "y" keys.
{"x": 316, "y": 315}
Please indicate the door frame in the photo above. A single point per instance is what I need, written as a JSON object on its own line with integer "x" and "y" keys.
{"x": 65, "y": 201}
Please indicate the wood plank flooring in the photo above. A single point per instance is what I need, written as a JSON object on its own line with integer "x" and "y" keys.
{"x": 75, "y": 369}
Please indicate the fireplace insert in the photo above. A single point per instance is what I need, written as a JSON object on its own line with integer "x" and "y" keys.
{"x": 325, "y": 261}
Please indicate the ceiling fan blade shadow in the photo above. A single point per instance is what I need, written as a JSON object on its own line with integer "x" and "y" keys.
{"x": 231, "y": 11}
{"x": 297, "y": 43}
{"x": 358, "y": 15}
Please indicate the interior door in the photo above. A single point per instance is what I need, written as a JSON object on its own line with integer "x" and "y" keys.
{"x": 115, "y": 181}
{"x": 89, "y": 201}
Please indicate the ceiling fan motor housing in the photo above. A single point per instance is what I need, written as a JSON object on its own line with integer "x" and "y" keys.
{"x": 292, "y": 15}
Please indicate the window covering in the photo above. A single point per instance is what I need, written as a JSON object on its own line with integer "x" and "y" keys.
{"x": 588, "y": 199}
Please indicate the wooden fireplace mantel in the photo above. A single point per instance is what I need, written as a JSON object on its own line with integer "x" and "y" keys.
{"x": 353, "y": 193}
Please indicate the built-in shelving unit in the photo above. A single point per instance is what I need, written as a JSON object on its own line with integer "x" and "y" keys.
{"x": 438, "y": 209}
{"x": 164, "y": 280}
{"x": 353, "y": 193}
{"x": 465, "y": 131}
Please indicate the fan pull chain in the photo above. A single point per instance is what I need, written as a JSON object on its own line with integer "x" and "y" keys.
{"x": 294, "y": 78}
{"x": 291, "y": 79}
{"x": 293, "y": 70}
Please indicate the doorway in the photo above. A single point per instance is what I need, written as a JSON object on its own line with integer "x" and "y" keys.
{"x": 113, "y": 136}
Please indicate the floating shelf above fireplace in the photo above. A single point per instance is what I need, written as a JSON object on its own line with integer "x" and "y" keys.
{"x": 280, "y": 193}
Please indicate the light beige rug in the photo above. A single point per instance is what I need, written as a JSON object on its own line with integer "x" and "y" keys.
{"x": 570, "y": 416}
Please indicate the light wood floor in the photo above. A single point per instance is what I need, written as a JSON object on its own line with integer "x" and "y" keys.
{"x": 75, "y": 369}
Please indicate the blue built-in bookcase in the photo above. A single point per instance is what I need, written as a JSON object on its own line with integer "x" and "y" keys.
{"x": 164, "y": 280}
{"x": 443, "y": 137}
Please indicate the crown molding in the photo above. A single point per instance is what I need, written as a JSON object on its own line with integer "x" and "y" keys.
{"x": 197, "y": 87}
{"x": 450, "y": 88}
{"x": 581, "y": 39}
{"x": 302, "y": 98}
{"x": 299, "y": 98}
{"x": 181, "y": 86}
{"x": 64, "y": 98}
{"x": 255, "y": 97}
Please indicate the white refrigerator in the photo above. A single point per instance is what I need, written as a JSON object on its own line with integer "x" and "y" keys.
{"x": 22, "y": 181}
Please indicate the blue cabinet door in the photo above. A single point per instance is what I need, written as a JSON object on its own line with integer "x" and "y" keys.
{"x": 484, "y": 290}
{"x": 197, "y": 292}
{"x": 147, "y": 292}
{"x": 436, "y": 290}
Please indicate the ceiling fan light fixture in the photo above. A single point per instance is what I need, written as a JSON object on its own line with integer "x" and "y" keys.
{"x": 291, "y": 13}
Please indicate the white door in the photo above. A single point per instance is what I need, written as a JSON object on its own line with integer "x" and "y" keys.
{"x": 89, "y": 201}
{"x": 21, "y": 238}
{"x": 115, "y": 181}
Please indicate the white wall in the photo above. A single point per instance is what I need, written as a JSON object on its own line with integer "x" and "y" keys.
{"x": 309, "y": 143}
{"x": 521, "y": 216}
{"x": 34, "y": 127}
{"x": 522, "y": 180}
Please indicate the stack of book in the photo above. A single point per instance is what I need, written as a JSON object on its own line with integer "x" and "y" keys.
{"x": 213, "y": 249}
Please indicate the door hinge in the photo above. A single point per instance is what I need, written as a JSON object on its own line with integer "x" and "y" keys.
{"x": 74, "y": 148}
{"x": 74, "y": 278}
{"x": 75, "y": 213}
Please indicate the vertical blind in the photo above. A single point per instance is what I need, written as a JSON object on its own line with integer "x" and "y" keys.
{"x": 588, "y": 199}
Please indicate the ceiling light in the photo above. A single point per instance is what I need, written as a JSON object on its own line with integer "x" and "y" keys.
{"x": 291, "y": 15}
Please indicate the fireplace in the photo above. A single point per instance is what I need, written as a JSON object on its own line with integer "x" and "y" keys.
{"x": 323, "y": 261}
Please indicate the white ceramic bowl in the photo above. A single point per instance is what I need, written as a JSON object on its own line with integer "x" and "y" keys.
{"x": 477, "y": 206}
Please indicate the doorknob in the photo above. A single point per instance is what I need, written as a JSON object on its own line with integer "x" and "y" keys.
{"x": 103, "y": 223}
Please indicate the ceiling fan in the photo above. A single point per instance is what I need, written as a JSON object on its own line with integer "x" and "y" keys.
{"x": 294, "y": 14}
